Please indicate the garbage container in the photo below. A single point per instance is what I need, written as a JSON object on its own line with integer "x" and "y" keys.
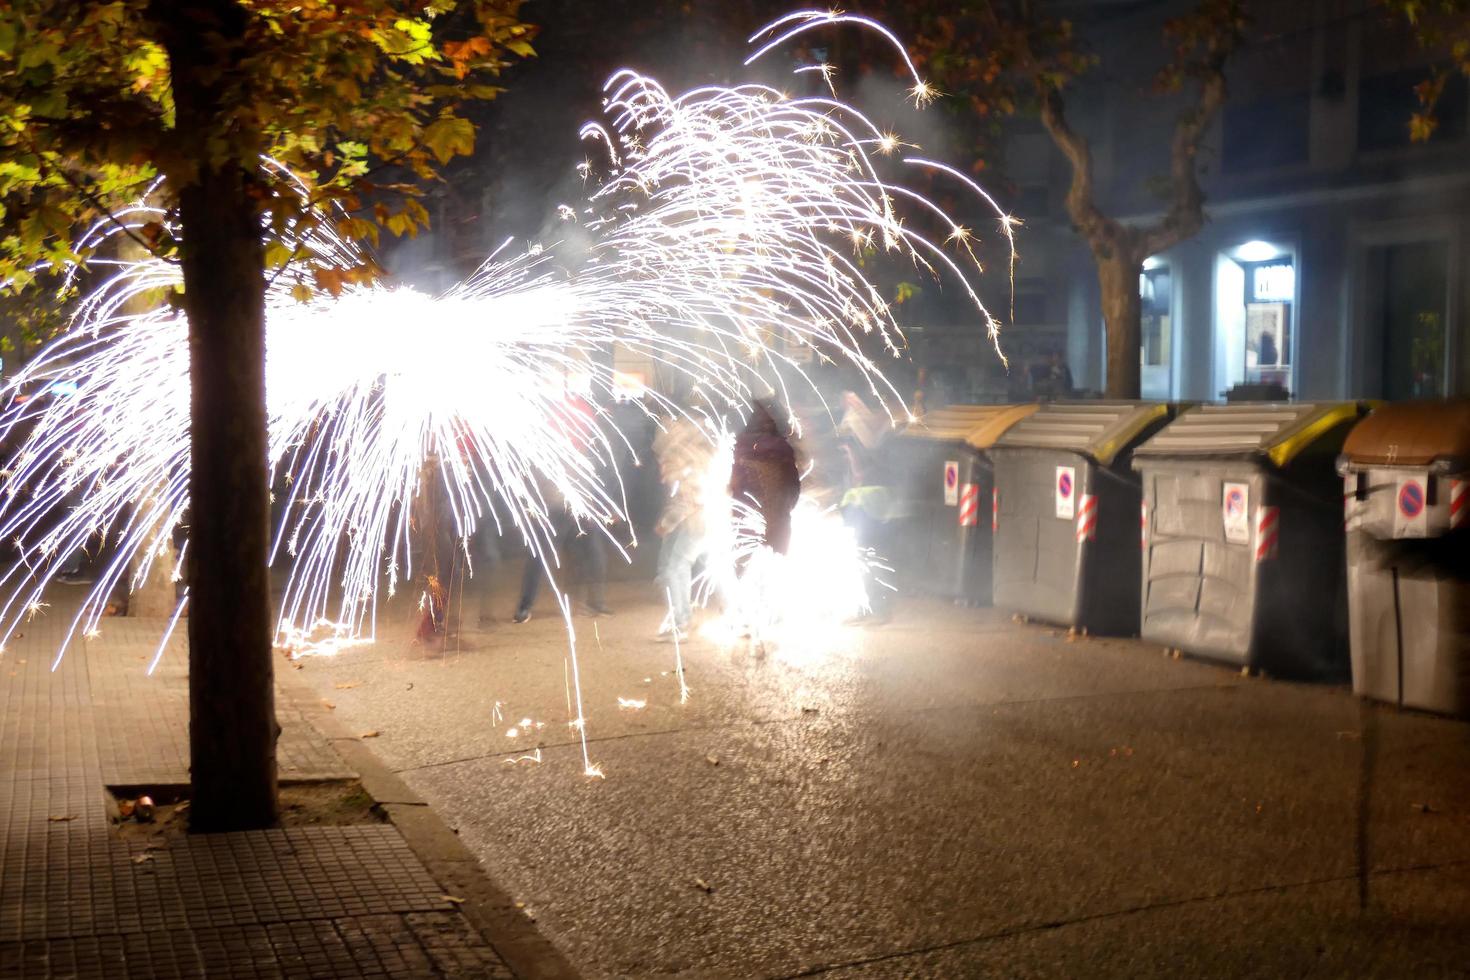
{"x": 1407, "y": 502}
{"x": 1242, "y": 539}
{"x": 1066, "y": 529}
{"x": 942, "y": 535}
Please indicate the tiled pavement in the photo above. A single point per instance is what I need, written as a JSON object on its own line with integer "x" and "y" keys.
{"x": 77, "y": 901}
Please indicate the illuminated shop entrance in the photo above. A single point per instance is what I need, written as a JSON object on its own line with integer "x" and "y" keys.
{"x": 1255, "y": 317}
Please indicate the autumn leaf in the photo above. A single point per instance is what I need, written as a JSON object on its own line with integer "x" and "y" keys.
{"x": 1422, "y": 126}
{"x": 449, "y": 135}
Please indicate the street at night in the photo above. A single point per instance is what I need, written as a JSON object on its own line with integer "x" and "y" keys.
{"x": 951, "y": 794}
{"x": 554, "y": 489}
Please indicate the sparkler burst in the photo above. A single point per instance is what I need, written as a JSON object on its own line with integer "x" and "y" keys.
{"x": 789, "y": 602}
{"x": 719, "y": 237}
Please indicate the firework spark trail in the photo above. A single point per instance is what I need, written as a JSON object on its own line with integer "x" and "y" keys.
{"x": 790, "y": 602}
{"x": 724, "y": 234}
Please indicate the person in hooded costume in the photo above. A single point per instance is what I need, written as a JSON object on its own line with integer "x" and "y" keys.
{"x": 764, "y": 476}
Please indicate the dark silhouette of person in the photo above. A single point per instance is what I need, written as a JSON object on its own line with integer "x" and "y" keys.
{"x": 1268, "y": 355}
{"x": 764, "y": 476}
{"x": 1052, "y": 379}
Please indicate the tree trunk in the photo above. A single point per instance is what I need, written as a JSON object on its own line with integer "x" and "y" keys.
{"x": 1117, "y": 274}
{"x": 232, "y": 721}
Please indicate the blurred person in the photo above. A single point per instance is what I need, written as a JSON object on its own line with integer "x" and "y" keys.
{"x": 1269, "y": 356}
{"x": 566, "y": 533}
{"x": 860, "y": 423}
{"x": 763, "y": 475}
{"x": 684, "y": 454}
{"x": 1053, "y": 378}
{"x": 867, "y": 507}
{"x": 860, "y": 436}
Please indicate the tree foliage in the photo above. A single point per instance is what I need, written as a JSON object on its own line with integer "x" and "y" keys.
{"x": 1442, "y": 28}
{"x": 363, "y": 99}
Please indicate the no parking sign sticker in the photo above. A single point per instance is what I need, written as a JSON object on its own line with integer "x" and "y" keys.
{"x": 1235, "y": 506}
{"x": 1410, "y": 511}
{"x": 1066, "y": 492}
{"x": 951, "y": 482}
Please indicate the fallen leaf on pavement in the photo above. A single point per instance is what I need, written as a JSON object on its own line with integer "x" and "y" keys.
{"x": 372, "y": 734}
{"x": 713, "y": 760}
{"x": 61, "y": 819}
{"x": 704, "y": 886}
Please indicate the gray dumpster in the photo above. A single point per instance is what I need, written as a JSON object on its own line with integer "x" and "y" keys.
{"x": 1242, "y": 538}
{"x": 1407, "y": 503}
{"x": 1067, "y": 505}
{"x": 942, "y": 539}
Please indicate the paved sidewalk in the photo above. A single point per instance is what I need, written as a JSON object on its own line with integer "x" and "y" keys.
{"x": 78, "y": 900}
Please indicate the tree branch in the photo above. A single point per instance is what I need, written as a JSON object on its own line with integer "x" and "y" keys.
{"x": 92, "y": 199}
{"x": 1186, "y": 213}
{"x": 1096, "y": 227}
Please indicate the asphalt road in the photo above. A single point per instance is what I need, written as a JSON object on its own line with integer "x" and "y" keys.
{"x": 950, "y": 795}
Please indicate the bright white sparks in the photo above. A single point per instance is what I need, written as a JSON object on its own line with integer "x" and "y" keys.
{"x": 720, "y": 236}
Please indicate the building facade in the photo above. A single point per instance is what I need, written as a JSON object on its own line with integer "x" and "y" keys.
{"x": 1333, "y": 262}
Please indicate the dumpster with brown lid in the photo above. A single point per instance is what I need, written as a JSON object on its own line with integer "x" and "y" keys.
{"x": 1407, "y": 499}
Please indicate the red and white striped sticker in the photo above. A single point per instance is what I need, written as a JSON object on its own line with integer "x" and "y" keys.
{"x": 1459, "y": 504}
{"x": 969, "y": 504}
{"x": 1143, "y": 524}
{"x": 994, "y": 509}
{"x": 1086, "y": 517}
{"x": 1268, "y": 530}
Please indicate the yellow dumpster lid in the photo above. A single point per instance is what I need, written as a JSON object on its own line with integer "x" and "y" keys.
{"x": 977, "y": 425}
{"x": 1411, "y": 434}
{"x": 1100, "y": 429}
{"x": 1275, "y": 430}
